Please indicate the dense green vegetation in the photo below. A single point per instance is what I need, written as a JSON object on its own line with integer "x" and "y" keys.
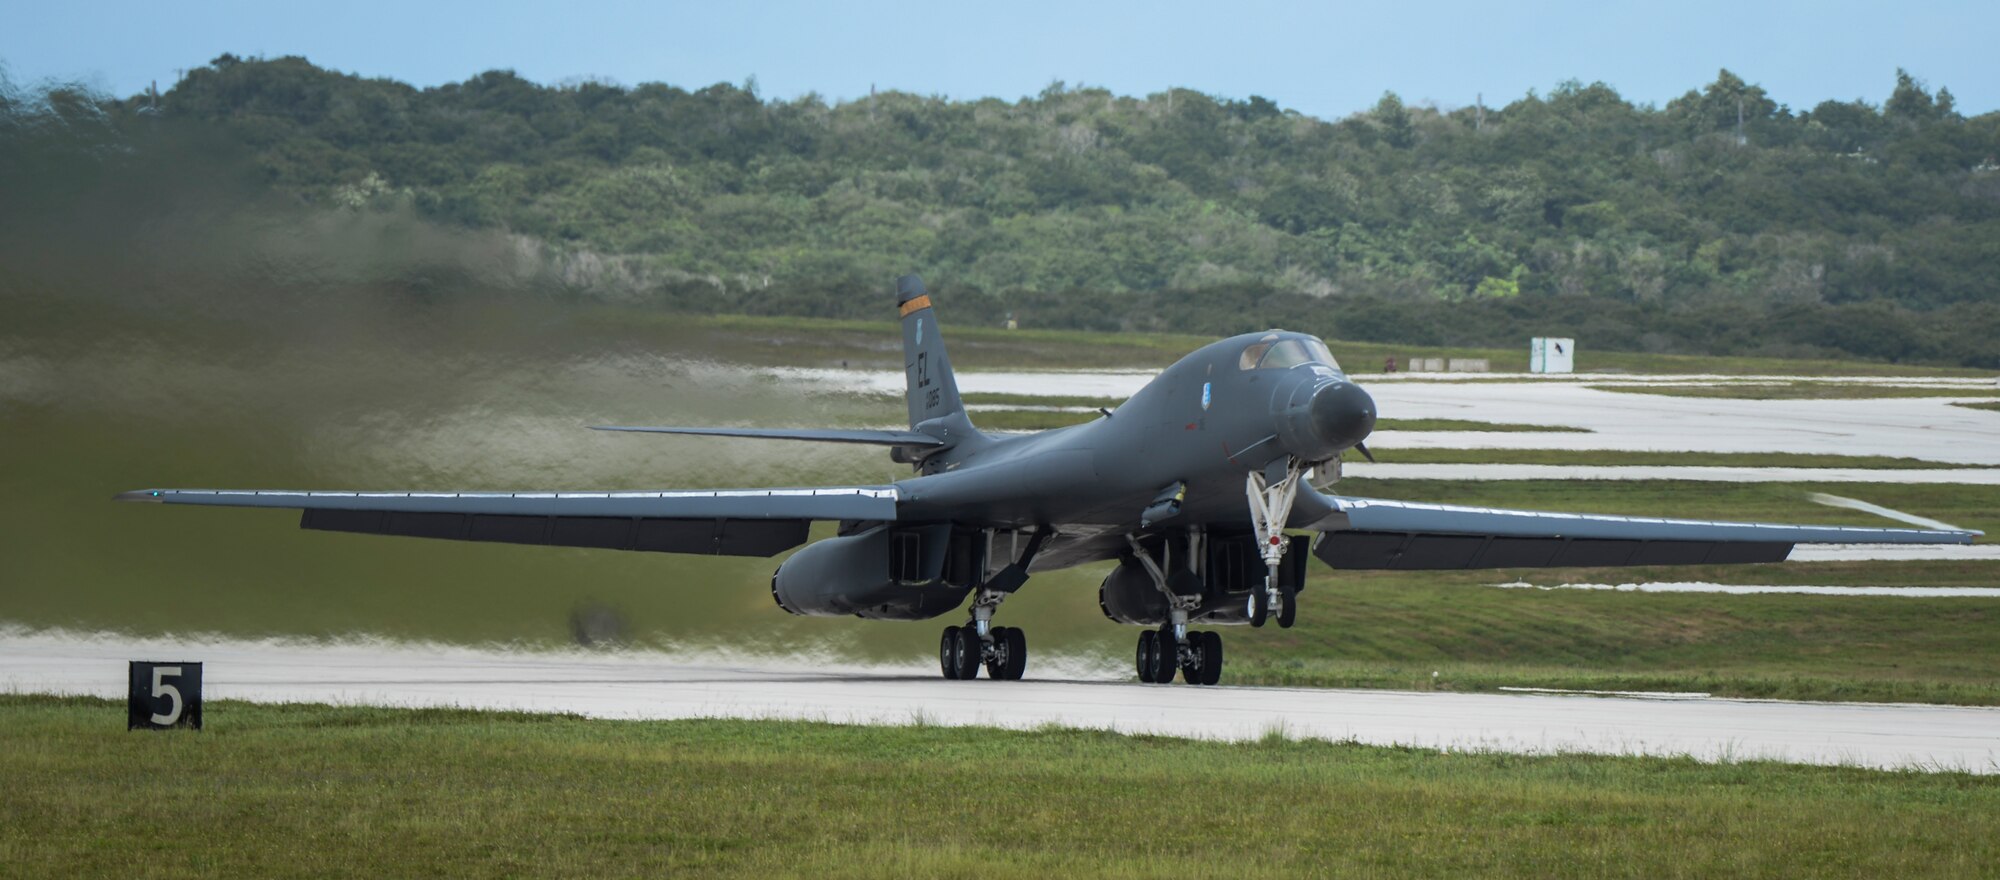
{"x": 1840, "y": 230}
{"x": 312, "y": 791}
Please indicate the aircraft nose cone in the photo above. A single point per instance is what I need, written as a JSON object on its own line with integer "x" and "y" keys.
{"x": 1342, "y": 414}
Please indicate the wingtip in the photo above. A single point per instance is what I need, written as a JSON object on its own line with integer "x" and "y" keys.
{"x": 148, "y": 496}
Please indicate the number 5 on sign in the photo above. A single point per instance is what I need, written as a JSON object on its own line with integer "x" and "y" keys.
{"x": 164, "y": 695}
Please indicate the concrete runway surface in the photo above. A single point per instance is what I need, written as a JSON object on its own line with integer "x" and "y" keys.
{"x": 658, "y": 686}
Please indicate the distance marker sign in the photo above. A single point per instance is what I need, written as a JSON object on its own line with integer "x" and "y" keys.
{"x": 164, "y": 695}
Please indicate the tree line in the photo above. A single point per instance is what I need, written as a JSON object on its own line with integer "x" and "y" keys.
{"x": 1722, "y": 222}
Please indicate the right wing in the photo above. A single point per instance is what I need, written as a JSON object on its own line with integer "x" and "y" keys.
{"x": 1373, "y": 533}
{"x": 728, "y": 522}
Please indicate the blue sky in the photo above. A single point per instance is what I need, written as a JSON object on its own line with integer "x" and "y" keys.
{"x": 1325, "y": 59}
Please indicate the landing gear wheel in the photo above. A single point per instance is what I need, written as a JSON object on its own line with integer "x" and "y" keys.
{"x": 1211, "y": 657}
{"x": 1288, "y": 607}
{"x": 1260, "y": 605}
{"x": 948, "y": 652}
{"x": 969, "y": 648}
{"x": 1016, "y": 650}
{"x": 1149, "y": 647}
{"x": 1191, "y": 664}
{"x": 1166, "y": 660}
{"x": 996, "y": 665}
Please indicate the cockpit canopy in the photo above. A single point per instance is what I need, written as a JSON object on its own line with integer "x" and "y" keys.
{"x": 1276, "y": 352}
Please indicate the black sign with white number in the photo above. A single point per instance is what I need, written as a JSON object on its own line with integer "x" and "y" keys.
{"x": 164, "y": 695}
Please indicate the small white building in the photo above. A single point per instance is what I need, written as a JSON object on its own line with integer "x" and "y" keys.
{"x": 1550, "y": 354}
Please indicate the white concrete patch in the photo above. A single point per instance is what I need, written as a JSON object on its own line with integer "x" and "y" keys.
{"x": 1879, "y": 510}
{"x": 1754, "y": 589}
{"x": 662, "y": 686}
{"x": 1893, "y": 552}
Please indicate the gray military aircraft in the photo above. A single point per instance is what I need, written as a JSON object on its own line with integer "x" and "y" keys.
{"x": 1202, "y": 487}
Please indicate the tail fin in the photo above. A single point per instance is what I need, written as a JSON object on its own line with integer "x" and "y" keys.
{"x": 932, "y": 388}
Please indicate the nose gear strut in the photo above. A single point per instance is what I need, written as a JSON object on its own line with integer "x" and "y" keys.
{"x": 1270, "y": 508}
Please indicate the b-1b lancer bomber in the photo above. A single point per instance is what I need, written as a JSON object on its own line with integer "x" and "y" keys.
{"x": 1204, "y": 487}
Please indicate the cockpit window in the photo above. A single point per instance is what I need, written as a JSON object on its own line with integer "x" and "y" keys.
{"x": 1283, "y": 354}
{"x": 1251, "y": 355}
{"x": 1320, "y": 353}
{"x": 1273, "y": 353}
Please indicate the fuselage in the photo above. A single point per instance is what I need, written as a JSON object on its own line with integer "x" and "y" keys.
{"x": 1225, "y": 410}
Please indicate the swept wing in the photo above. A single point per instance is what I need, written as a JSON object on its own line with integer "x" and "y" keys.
{"x": 1373, "y": 533}
{"x": 729, "y": 522}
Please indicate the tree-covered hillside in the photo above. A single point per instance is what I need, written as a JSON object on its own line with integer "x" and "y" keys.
{"x": 1845, "y": 227}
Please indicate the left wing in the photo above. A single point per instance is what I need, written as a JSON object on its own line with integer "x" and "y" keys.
{"x": 1371, "y": 533}
{"x": 728, "y": 522}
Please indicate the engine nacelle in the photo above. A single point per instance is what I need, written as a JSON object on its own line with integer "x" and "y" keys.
{"x": 881, "y": 574}
{"x": 1128, "y": 596}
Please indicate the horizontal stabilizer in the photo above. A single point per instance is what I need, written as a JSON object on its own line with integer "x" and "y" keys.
{"x": 817, "y": 435}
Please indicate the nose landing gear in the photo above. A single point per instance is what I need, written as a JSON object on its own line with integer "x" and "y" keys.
{"x": 1270, "y": 507}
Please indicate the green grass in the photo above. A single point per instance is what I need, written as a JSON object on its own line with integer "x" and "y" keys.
{"x": 1994, "y": 406}
{"x": 1395, "y": 629}
{"x": 1611, "y": 457}
{"x": 314, "y": 791}
{"x": 1799, "y": 391}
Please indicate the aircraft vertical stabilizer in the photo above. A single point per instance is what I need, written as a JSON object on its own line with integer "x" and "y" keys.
{"x": 931, "y": 387}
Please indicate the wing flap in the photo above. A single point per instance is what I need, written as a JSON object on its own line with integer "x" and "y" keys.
{"x": 1420, "y": 551}
{"x": 722, "y": 537}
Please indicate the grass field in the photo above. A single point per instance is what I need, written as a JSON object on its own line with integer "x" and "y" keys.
{"x": 1800, "y": 391}
{"x": 1395, "y": 629}
{"x": 1625, "y": 458}
{"x": 317, "y": 791}
{"x": 824, "y": 342}
{"x": 1994, "y": 406}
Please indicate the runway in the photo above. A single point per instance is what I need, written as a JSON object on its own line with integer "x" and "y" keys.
{"x": 659, "y": 686}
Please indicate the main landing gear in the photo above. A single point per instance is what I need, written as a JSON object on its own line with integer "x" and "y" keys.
{"x": 1004, "y": 653}
{"x": 1198, "y": 657}
{"x": 1003, "y": 650}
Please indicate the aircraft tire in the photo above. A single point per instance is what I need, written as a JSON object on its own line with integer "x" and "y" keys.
{"x": 1211, "y": 657}
{"x": 948, "y": 652}
{"x": 1017, "y": 655}
{"x": 1148, "y": 647}
{"x": 967, "y": 654}
{"x": 1166, "y": 660}
{"x": 1260, "y": 605}
{"x": 1288, "y": 607}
